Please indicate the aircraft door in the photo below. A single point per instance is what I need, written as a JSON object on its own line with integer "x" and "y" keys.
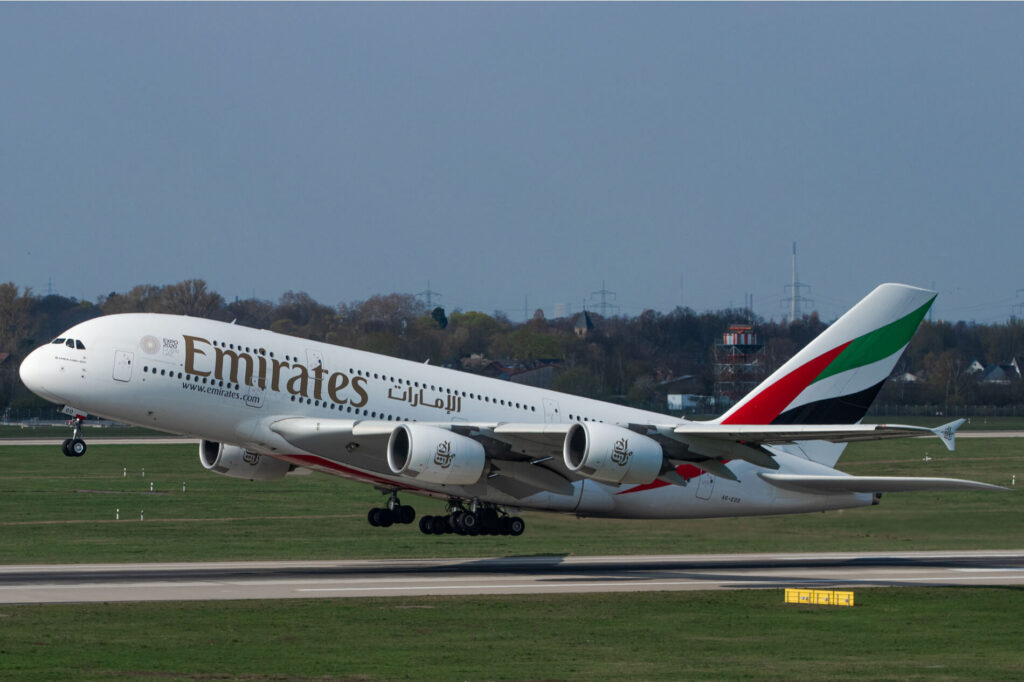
{"x": 314, "y": 359}
{"x": 551, "y": 415}
{"x": 705, "y": 486}
{"x": 123, "y": 360}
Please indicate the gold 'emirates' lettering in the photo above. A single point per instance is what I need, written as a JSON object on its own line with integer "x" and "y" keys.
{"x": 198, "y": 359}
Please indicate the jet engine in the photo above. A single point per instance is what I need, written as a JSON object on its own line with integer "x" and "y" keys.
{"x": 434, "y": 455}
{"x": 611, "y": 454}
{"x": 236, "y": 462}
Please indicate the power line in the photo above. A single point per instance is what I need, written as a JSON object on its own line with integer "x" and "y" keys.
{"x": 796, "y": 300}
{"x": 604, "y": 306}
{"x": 429, "y": 295}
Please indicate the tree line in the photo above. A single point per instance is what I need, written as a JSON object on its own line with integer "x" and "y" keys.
{"x": 624, "y": 359}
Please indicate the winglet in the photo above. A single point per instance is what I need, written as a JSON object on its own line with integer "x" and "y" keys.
{"x": 947, "y": 432}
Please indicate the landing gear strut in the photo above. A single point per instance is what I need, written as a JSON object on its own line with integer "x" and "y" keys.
{"x": 74, "y": 446}
{"x": 394, "y": 512}
{"x": 478, "y": 519}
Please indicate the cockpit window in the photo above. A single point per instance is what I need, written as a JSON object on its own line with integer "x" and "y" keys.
{"x": 57, "y": 342}
{"x": 70, "y": 343}
{"x": 79, "y": 345}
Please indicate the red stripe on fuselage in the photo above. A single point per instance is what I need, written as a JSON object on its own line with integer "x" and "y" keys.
{"x": 769, "y": 403}
{"x": 348, "y": 472}
{"x": 687, "y": 471}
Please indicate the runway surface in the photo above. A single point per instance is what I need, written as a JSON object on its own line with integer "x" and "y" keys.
{"x": 514, "y": 575}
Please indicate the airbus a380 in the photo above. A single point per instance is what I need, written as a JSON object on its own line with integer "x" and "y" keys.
{"x": 264, "y": 405}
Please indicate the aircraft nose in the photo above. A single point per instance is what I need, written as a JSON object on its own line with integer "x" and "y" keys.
{"x": 33, "y": 371}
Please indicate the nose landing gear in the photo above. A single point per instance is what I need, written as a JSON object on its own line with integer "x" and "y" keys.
{"x": 74, "y": 446}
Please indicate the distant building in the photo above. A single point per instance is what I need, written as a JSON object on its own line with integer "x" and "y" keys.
{"x": 740, "y": 364}
{"x": 975, "y": 367}
{"x": 584, "y": 325}
{"x": 539, "y": 373}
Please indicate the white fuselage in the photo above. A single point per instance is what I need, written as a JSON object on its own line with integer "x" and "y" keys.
{"x": 226, "y": 383}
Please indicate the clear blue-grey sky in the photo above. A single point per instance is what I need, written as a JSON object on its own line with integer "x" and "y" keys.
{"x": 673, "y": 152}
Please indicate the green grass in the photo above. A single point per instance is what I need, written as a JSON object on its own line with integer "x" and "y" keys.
{"x": 55, "y": 509}
{"x": 913, "y": 633}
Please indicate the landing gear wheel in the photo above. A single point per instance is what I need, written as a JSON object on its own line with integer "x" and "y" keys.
{"x": 385, "y": 517}
{"x": 76, "y": 448}
{"x": 66, "y": 447}
{"x": 516, "y": 526}
{"x": 405, "y": 514}
{"x": 372, "y": 516}
{"x": 427, "y": 525}
{"x": 471, "y": 523}
{"x": 488, "y": 521}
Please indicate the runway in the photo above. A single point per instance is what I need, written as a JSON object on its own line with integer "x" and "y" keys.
{"x": 513, "y": 575}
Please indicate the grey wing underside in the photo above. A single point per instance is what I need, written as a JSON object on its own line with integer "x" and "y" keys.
{"x": 526, "y": 458}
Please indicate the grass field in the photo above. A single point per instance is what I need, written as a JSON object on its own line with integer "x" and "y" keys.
{"x": 55, "y": 509}
{"x": 904, "y": 634}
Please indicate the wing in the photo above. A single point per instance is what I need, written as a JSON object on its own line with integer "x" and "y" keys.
{"x": 525, "y": 458}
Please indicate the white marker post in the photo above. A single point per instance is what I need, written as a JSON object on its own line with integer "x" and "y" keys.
{"x": 142, "y": 515}
{"x": 151, "y": 486}
{"x": 117, "y": 514}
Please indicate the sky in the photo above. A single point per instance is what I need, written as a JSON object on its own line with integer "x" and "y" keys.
{"x": 518, "y": 156}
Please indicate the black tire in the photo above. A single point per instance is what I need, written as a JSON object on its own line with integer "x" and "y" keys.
{"x": 66, "y": 447}
{"x": 504, "y": 525}
{"x": 516, "y": 526}
{"x": 445, "y": 526}
{"x": 77, "y": 447}
{"x": 471, "y": 523}
{"x": 371, "y": 516}
{"x": 427, "y": 525}
{"x": 489, "y": 521}
{"x": 385, "y": 518}
{"x": 406, "y": 514}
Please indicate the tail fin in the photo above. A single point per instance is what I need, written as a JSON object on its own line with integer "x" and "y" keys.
{"x": 836, "y": 377}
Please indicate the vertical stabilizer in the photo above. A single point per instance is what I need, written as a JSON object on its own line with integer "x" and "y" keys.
{"x": 836, "y": 377}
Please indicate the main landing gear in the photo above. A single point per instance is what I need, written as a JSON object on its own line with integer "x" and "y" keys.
{"x": 476, "y": 519}
{"x": 394, "y": 512}
{"x": 74, "y": 446}
{"x": 479, "y": 519}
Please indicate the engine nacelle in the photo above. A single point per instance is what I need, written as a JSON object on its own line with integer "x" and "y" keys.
{"x": 611, "y": 454}
{"x": 236, "y": 462}
{"x": 434, "y": 455}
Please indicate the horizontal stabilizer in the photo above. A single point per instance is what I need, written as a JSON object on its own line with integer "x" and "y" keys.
{"x": 779, "y": 434}
{"x": 947, "y": 432}
{"x": 871, "y": 484}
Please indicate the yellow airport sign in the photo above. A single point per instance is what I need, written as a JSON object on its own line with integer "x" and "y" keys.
{"x": 818, "y": 597}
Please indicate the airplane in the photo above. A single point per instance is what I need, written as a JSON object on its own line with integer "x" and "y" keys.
{"x": 264, "y": 405}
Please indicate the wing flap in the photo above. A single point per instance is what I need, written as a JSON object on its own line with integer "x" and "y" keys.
{"x": 825, "y": 485}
